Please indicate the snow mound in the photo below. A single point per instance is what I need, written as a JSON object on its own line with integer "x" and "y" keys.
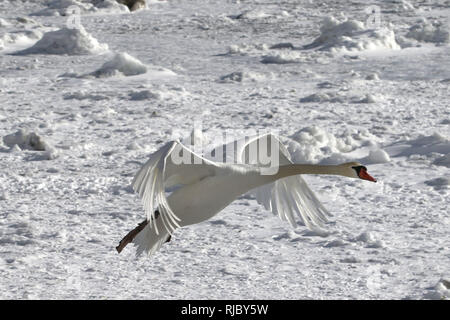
{"x": 426, "y": 31}
{"x": 247, "y": 49}
{"x": 23, "y": 140}
{"x": 372, "y": 77}
{"x": 440, "y": 291}
{"x": 282, "y": 57}
{"x": 351, "y": 35}
{"x": 110, "y": 6}
{"x": 69, "y": 7}
{"x": 66, "y": 41}
{"x": 368, "y": 98}
{"x": 64, "y": 8}
{"x": 4, "y": 23}
{"x": 19, "y": 38}
{"x": 84, "y": 95}
{"x": 402, "y": 6}
{"x": 439, "y": 183}
{"x": 376, "y": 156}
{"x": 252, "y": 15}
{"x": 443, "y": 161}
{"x": 242, "y": 76}
{"x": 121, "y": 64}
{"x": 162, "y": 93}
{"x": 423, "y": 145}
{"x": 283, "y": 45}
{"x": 323, "y": 97}
{"x": 313, "y": 144}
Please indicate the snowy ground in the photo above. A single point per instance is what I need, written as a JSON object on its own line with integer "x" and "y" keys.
{"x": 342, "y": 92}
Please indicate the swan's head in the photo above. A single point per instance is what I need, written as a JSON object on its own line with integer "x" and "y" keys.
{"x": 356, "y": 170}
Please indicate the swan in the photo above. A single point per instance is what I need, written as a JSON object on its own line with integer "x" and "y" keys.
{"x": 200, "y": 188}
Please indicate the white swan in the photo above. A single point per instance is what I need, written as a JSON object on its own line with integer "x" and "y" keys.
{"x": 201, "y": 188}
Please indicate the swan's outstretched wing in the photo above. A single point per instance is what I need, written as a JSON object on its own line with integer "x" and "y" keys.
{"x": 173, "y": 164}
{"x": 289, "y": 196}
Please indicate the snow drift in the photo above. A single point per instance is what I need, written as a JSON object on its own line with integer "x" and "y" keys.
{"x": 426, "y": 31}
{"x": 121, "y": 64}
{"x": 423, "y": 145}
{"x": 66, "y": 41}
{"x": 351, "y": 35}
{"x": 242, "y": 76}
{"x": 314, "y": 145}
{"x": 66, "y": 7}
{"x": 24, "y": 140}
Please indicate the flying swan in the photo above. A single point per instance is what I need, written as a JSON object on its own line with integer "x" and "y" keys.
{"x": 200, "y": 188}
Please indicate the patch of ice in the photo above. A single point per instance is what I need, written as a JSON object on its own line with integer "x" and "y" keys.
{"x": 4, "y": 23}
{"x": 351, "y": 35}
{"x": 369, "y": 239}
{"x": 66, "y": 41}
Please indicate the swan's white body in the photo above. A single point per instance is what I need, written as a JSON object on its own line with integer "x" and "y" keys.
{"x": 206, "y": 187}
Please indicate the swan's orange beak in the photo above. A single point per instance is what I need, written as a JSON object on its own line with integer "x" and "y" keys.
{"x": 364, "y": 175}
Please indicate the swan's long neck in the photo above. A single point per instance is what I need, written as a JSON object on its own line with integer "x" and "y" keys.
{"x": 294, "y": 169}
{"x": 257, "y": 180}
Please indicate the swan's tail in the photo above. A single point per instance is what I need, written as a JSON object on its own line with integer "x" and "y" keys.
{"x": 145, "y": 237}
{"x": 149, "y": 241}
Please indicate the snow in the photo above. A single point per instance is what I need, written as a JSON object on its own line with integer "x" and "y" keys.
{"x": 314, "y": 144}
{"x": 427, "y": 31}
{"x": 66, "y": 41}
{"x": 121, "y": 63}
{"x": 25, "y": 140}
{"x": 70, "y": 7}
{"x": 352, "y": 35}
{"x": 71, "y": 143}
